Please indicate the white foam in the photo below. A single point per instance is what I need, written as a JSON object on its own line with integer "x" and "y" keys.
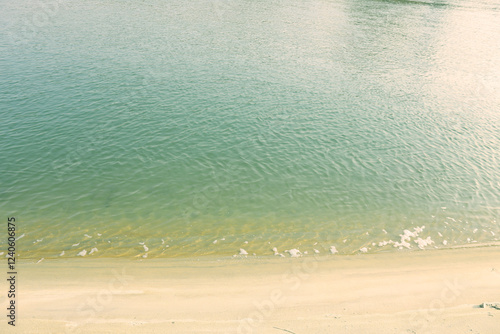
{"x": 214, "y": 242}
{"x": 243, "y": 252}
{"x": 145, "y": 248}
{"x": 344, "y": 241}
{"x": 474, "y": 231}
{"x": 383, "y": 230}
{"x": 21, "y": 236}
{"x": 223, "y": 239}
{"x": 363, "y": 250}
{"x": 316, "y": 251}
{"x": 439, "y": 233}
{"x": 1, "y": 253}
{"x": 422, "y": 243}
{"x": 492, "y": 233}
{"x": 305, "y": 253}
{"x": 40, "y": 260}
{"x": 333, "y": 250}
{"x": 87, "y": 236}
{"x": 93, "y": 250}
{"x": 162, "y": 241}
{"x": 74, "y": 245}
{"x": 62, "y": 253}
{"x": 385, "y": 243}
{"x": 419, "y": 229}
{"x": 294, "y": 252}
{"x": 82, "y": 253}
{"x": 402, "y": 244}
{"x": 99, "y": 234}
{"x": 408, "y": 235}
{"x": 246, "y": 242}
{"x": 145, "y": 256}
{"x": 445, "y": 242}
{"x": 275, "y": 250}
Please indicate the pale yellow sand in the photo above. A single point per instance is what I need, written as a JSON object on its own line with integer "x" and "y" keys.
{"x": 417, "y": 292}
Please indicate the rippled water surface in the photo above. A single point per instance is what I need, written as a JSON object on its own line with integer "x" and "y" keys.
{"x": 259, "y": 124}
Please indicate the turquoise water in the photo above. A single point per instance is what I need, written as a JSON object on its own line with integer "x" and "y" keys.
{"x": 259, "y": 124}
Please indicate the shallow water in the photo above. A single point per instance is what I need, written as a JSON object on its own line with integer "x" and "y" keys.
{"x": 297, "y": 124}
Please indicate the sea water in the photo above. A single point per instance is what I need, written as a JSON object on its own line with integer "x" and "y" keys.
{"x": 169, "y": 128}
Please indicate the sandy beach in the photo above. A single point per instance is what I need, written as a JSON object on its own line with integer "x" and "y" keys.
{"x": 414, "y": 292}
{"x": 250, "y": 167}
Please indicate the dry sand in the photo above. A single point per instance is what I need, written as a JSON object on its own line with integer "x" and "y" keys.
{"x": 413, "y": 292}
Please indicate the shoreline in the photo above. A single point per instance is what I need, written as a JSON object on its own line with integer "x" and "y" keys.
{"x": 325, "y": 253}
{"x": 410, "y": 292}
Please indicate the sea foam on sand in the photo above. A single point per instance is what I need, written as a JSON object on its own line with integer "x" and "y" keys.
{"x": 82, "y": 253}
{"x": 294, "y": 252}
